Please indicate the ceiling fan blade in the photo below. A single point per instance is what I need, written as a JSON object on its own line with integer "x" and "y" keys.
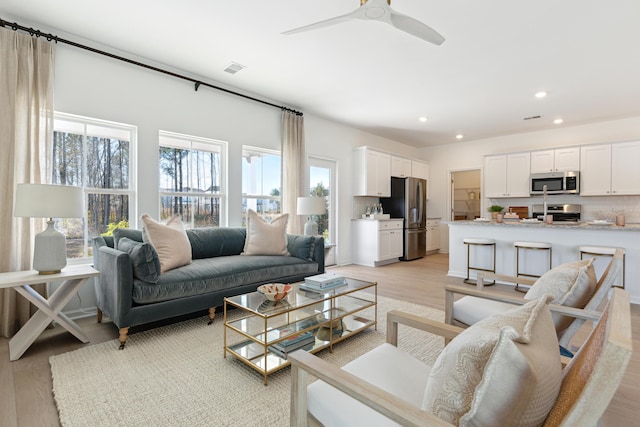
{"x": 327, "y": 22}
{"x": 415, "y": 28}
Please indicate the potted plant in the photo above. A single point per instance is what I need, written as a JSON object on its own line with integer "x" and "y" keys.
{"x": 495, "y": 210}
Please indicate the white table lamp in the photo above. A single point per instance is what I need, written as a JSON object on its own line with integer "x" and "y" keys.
{"x": 48, "y": 201}
{"x": 311, "y": 206}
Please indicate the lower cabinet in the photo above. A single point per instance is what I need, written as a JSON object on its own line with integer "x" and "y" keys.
{"x": 433, "y": 235}
{"x": 376, "y": 242}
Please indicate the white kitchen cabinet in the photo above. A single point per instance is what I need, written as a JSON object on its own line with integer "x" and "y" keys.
{"x": 372, "y": 173}
{"x": 610, "y": 169}
{"x": 400, "y": 167}
{"x": 433, "y": 235}
{"x": 419, "y": 170}
{"x": 595, "y": 174}
{"x": 558, "y": 160}
{"x": 507, "y": 175}
{"x": 377, "y": 243}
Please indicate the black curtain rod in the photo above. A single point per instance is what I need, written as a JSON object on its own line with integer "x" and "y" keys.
{"x": 50, "y": 37}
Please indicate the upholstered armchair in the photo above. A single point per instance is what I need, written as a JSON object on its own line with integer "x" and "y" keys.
{"x": 511, "y": 374}
{"x": 571, "y": 285}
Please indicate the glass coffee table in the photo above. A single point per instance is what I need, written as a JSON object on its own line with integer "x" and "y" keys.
{"x": 265, "y": 331}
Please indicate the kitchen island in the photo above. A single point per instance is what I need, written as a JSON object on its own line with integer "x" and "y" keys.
{"x": 565, "y": 238}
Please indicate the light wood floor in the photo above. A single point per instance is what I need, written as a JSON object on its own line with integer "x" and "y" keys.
{"x": 26, "y": 398}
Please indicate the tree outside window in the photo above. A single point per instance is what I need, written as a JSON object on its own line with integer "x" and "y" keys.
{"x": 322, "y": 176}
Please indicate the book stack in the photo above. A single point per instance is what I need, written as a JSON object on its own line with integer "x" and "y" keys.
{"x": 304, "y": 340}
{"x": 323, "y": 282}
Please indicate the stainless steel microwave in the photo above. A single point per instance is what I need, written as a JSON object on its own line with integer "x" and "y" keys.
{"x": 556, "y": 182}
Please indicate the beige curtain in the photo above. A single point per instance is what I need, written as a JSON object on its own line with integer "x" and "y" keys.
{"x": 293, "y": 167}
{"x": 26, "y": 132}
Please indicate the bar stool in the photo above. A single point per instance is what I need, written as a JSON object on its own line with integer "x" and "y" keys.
{"x": 477, "y": 241}
{"x": 596, "y": 251}
{"x": 537, "y": 246}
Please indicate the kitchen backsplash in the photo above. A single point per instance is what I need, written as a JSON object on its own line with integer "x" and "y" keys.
{"x": 595, "y": 207}
{"x": 360, "y": 205}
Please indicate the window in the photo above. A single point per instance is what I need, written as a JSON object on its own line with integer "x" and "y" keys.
{"x": 191, "y": 183}
{"x": 322, "y": 180}
{"x": 97, "y": 156}
{"x": 261, "y": 183}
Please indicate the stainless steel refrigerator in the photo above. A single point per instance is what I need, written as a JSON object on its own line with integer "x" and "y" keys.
{"x": 409, "y": 201}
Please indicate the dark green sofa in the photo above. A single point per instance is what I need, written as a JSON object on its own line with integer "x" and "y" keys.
{"x": 217, "y": 271}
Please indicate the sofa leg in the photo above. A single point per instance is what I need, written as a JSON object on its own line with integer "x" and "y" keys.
{"x": 212, "y": 314}
{"x": 99, "y": 316}
{"x": 123, "y": 337}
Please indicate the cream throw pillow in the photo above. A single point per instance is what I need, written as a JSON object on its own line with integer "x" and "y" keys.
{"x": 169, "y": 240}
{"x": 570, "y": 284}
{"x": 504, "y": 370}
{"x": 264, "y": 238}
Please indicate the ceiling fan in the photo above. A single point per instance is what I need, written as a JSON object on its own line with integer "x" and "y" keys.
{"x": 380, "y": 10}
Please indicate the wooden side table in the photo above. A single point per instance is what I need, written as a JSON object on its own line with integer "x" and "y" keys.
{"x": 72, "y": 277}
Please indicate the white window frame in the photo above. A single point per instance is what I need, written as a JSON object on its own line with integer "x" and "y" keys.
{"x": 191, "y": 142}
{"x": 130, "y": 192}
{"x": 265, "y": 151}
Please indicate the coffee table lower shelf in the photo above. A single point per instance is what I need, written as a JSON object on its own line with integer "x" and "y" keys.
{"x": 252, "y": 351}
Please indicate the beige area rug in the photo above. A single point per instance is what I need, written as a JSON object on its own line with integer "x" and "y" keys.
{"x": 176, "y": 376}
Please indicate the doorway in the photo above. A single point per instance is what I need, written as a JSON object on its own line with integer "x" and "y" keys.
{"x": 465, "y": 195}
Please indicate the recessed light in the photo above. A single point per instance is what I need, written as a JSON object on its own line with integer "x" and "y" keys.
{"x": 459, "y": 136}
{"x": 541, "y": 94}
{"x": 423, "y": 119}
{"x": 558, "y": 121}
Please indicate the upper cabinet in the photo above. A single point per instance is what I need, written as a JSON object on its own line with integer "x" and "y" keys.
{"x": 507, "y": 175}
{"x": 610, "y": 169}
{"x": 419, "y": 170}
{"x": 558, "y": 160}
{"x": 372, "y": 173}
{"x": 400, "y": 167}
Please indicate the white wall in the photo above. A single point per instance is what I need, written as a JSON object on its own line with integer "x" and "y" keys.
{"x": 91, "y": 85}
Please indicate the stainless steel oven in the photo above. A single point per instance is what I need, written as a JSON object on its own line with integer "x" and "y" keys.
{"x": 556, "y": 182}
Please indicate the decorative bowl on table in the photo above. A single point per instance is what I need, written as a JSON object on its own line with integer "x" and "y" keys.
{"x": 275, "y": 291}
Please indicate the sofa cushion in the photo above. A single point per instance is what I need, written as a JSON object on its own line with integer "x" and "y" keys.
{"x": 216, "y": 241}
{"x": 266, "y": 238}
{"x": 170, "y": 242}
{"x": 144, "y": 259}
{"x": 504, "y": 370}
{"x": 570, "y": 284}
{"x": 215, "y": 274}
{"x": 129, "y": 233}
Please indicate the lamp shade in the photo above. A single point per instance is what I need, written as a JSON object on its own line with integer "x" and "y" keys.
{"x": 311, "y": 206}
{"x": 48, "y": 201}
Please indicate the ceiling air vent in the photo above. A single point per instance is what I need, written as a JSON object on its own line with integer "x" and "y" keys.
{"x": 234, "y": 68}
{"x": 532, "y": 118}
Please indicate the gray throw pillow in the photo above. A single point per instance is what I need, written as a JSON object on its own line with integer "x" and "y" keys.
{"x": 301, "y": 246}
{"x": 129, "y": 233}
{"x": 144, "y": 259}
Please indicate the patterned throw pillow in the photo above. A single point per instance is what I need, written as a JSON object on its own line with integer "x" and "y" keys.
{"x": 170, "y": 242}
{"x": 264, "y": 238}
{"x": 504, "y": 370}
{"x": 570, "y": 284}
{"x": 144, "y": 259}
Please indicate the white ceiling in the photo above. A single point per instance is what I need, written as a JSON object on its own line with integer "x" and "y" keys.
{"x": 480, "y": 82}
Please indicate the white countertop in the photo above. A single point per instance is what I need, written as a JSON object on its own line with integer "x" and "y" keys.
{"x": 558, "y": 224}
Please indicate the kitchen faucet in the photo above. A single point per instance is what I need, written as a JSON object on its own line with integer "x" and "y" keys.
{"x": 544, "y": 203}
